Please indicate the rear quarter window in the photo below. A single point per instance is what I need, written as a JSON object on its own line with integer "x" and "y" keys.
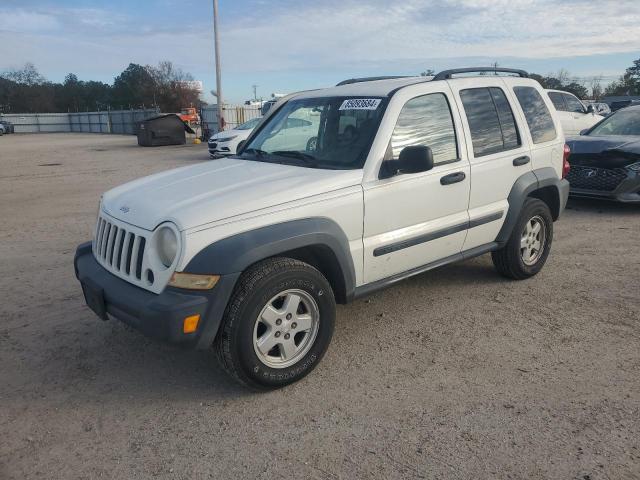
{"x": 537, "y": 114}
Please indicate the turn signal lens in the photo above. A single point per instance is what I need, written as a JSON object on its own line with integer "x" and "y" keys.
{"x": 193, "y": 282}
{"x": 190, "y": 324}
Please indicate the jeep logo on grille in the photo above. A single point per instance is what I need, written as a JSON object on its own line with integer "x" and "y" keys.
{"x": 124, "y": 209}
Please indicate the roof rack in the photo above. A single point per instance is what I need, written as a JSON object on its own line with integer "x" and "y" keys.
{"x": 368, "y": 79}
{"x": 447, "y": 74}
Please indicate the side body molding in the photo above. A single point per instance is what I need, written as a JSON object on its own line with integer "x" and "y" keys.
{"x": 543, "y": 179}
{"x": 237, "y": 252}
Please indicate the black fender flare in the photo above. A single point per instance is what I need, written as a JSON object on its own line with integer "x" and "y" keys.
{"x": 526, "y": 185}
{"x": 235, "y": 253}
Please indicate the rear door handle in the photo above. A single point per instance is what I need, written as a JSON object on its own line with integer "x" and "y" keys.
{"x": 517, "y": 162}
{"x": 452, "y": 178}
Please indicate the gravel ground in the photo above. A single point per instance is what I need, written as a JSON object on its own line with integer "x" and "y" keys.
{"x": 456, "y": 373}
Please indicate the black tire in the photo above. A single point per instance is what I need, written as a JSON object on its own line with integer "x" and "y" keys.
{"x": 509, "y": 260}
{"x": 234, "y": 344}
{"x": 312, "y": 144}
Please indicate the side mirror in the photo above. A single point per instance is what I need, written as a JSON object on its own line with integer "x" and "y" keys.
{"x": 412, "y": 159}
{"x": 415, "y": 159}
{"x": 584, "y": 132}
{"x": 590, "y": 108}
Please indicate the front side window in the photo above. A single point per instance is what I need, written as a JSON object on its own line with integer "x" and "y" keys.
{"x": 325, "y": 132}
{"x": 427, "y": 121}
{"x": 573, "y": 104}
{"x": 537, "y": 114}
{"x": 558, "y": 101}
{"x": 491, "y": 121}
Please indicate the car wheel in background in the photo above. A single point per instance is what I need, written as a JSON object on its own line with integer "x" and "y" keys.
{"x": 312, "y": 144}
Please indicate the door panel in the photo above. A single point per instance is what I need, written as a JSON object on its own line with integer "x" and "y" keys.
{"x": 493, "y": 171}
{"x": 411, "y": 220}
{"x": 568, "y": 123}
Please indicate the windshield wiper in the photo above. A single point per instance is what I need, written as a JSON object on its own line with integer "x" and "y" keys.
{"x": 259, "y": 153}
{"x": 305, "y": 157}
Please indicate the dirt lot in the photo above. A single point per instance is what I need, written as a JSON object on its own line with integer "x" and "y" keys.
{"x": 456, "y": 373}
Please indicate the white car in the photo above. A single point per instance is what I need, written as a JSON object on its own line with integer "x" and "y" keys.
{"x": 394, "y": 177}
{"x": 573, "y": 114}
{"x": 226, "y": 142}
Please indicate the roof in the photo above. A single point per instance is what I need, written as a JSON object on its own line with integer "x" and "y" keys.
{"x": 375, "y": 88}
{"x": 383, "y": 86}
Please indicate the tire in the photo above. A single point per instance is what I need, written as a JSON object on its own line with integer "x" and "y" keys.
{"x": 519, "y": 258}
{"x": 255, "y": 316}
{"x": 312, "y": 144}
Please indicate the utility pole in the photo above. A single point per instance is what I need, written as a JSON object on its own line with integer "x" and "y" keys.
{"x": 218, "y": 76}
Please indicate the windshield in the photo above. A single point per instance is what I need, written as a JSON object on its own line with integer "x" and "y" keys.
{"x": 328, "y": 132}
{"x": 623, "y": 122}
{"x": 249, "y": 125}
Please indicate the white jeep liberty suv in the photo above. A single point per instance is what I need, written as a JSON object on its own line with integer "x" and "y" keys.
{"x": 337, "y": 193}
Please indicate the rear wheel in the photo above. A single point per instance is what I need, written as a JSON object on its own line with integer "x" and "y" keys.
{"x": 527, "y": 249}
{"x": 278, "y": 324}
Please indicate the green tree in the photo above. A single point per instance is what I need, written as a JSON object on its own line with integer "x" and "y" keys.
{"x": 133, "y": 88}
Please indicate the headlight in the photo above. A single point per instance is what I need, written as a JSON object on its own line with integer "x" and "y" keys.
{"x": 167, "y": 245}
{"x": 634, "y": 166}
{"x": 193, "y": 282}
{"x": 226, "y": 139}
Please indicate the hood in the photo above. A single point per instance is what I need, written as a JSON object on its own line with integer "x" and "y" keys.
{"x": 611, "y": 151}
{"x": 229, "y": 133}
{"x": 212, "y": 191}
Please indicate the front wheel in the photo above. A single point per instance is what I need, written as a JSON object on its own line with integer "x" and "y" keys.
{"x": 278, "y": 324}
{"x": 527, "y": 249}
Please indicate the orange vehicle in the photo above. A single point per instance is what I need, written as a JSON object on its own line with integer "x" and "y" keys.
{"x": 190, "y": 116}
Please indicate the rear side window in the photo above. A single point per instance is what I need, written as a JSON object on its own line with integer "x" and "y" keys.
{"x": 427, "y": 121}
{"x": 573, "y": 104}
{"x": 537, "y": 114}
{"x": 493, "y": 127}
{"x": 558, "y": 101}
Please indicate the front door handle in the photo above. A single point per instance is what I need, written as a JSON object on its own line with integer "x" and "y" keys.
{"x": 452, "y": 178}
{"x": 517, "y": 162}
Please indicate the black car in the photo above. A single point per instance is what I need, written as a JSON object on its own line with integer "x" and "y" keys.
{"x": 8, "y": 126}
{"x": 605, "y": 160}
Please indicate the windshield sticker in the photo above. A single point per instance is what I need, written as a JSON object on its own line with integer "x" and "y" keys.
{"x": 360, "y": 104}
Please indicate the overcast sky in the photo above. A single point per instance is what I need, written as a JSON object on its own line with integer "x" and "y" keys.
{"x": 290, "y": 45}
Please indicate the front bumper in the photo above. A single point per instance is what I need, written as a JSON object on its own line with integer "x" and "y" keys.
{"x": 158, "y": 316}
{"x": 220, "y": 149}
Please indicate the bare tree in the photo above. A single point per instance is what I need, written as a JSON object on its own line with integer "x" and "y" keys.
{"x": 595, "y": 87}
{"x": 27, "y": 75}
{"x": 173, "y": 88}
